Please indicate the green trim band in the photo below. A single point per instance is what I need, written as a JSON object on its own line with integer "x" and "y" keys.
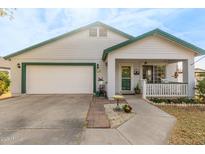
{"x": 23, "y": 77}
{"x": 150, "y": 33}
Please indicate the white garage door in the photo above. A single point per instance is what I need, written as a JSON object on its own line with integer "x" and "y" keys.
{"x": 59, "y": 79}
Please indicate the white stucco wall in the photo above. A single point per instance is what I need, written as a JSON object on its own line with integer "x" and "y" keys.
{"x": 76, "y": 48}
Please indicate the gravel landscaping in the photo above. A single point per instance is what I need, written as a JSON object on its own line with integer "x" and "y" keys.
{"x": 117, "y": 118}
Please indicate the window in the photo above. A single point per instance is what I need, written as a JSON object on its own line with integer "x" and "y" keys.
{"x": 93, "y": 32}
{"x": 102, "y": 32}
{"x": 154, "y": 74}
{"x": 148, "y": 73}
{"x": 159, "y": 73}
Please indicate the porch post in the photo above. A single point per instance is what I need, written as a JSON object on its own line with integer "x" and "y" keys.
{"x": 144, "y": 81}
{"x": 189, "y": 76}
{"x": 110, "y": 77}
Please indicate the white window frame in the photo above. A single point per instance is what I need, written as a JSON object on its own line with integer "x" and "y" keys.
{"x": 99, "y": 30}
{"x": 92, "y": 28}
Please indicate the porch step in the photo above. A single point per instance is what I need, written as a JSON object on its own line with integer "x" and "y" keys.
{"x": 127, "y": 92}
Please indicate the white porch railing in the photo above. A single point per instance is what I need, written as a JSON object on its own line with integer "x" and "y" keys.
{"x": 164, "y": 89}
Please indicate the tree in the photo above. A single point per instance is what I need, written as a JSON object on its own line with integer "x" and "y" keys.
{"x": 201, "y": 90}
{"x": 7, "y": 12}
{"x": 4, "y": 82}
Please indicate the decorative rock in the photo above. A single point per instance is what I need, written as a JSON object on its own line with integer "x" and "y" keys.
{"x": 117, "y": 118}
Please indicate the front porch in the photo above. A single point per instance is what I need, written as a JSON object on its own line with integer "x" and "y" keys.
{"x": 154, "y": 77}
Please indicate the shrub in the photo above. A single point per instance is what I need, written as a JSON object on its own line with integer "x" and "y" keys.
{"x": 127, "y": 108}
{"x": 176, "y": 101}
{"x": 4, "y": 82}
{"x": 185, "y": 100}
{"x": 200, "y": 87}
{"x": 137, "y": 89}
{"x": 156, "y": 100}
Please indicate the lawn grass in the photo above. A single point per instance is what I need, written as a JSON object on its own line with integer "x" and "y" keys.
{"x": 190, "y": 126}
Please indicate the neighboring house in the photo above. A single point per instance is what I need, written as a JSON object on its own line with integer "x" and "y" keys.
{"x": 5, "y": 66}
{"x": 199, "y": 74}
{"x": 73, "y": 63}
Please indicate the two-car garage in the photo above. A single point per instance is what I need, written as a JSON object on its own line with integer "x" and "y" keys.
{"x": 58, "y": 78}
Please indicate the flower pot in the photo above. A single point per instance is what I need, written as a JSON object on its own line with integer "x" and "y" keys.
{"x": 137, "y": 91}
{"x": 127, "y": 108}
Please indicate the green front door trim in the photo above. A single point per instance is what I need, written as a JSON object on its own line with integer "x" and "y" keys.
{"x": 126, "y": 77}
{"x": 23, "y": 77}
{"x": 126, "y": 84}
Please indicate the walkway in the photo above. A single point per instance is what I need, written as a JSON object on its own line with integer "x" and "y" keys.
{"x": 96, "y": 117}
{"x": 150, "y": 126}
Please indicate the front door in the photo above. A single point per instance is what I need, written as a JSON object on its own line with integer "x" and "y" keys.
{"x": 126, "y": 78}
{"x": 148, "y": 73}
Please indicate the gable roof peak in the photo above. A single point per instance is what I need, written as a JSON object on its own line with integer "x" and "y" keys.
{"x": 160, "y": 32}
{"x": 97, "y": 23}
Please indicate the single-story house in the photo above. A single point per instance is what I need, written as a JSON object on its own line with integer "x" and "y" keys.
{"x": 5, "y": 66}
{"x": 73, "y": 63}
{"x": 199, "y": 75}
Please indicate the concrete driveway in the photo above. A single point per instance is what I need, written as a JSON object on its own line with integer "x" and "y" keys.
{"x": 43, "y": 119}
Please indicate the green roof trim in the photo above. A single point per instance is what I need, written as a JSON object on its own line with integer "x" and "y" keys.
{"x": 150, "y": 33}
{"x": 68, "y": 34}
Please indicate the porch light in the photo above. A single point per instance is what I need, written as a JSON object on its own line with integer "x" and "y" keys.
{"x": 136, "y": 71}
{"x": 97, "y": 66}
{"x": 18, "y": 65}
{"x": 145, "y": 62}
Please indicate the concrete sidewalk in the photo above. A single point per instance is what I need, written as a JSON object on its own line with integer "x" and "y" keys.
{"x": 150, "y": 126}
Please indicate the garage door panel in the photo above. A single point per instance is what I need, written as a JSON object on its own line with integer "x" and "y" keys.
{"x": 59, "y": 79}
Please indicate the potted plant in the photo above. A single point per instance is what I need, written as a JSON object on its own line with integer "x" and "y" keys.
{"x": 101, "y": 81}
{"x": 127, "y": 108}
{"x": 137, "y": 89}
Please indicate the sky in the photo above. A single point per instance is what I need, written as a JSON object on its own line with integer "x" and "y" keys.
{"x": 31, "y": 26}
